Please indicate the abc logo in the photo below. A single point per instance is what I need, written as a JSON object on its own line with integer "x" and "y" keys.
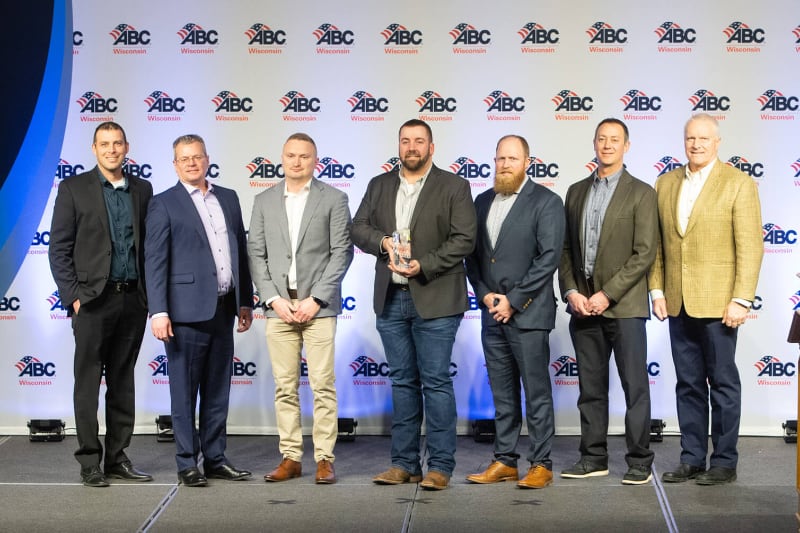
{"x": 439, "y": 105}
{"x": 776, "y": 369}
{"x": 234, "y": 104}
{"x": 678, "y": 36}
{"x": 644, "y": 103}
{"x": 781, "y": 103}
{"x": 337, "y": 171}
{"x": 41, "y": 238}
{"x": 133, "y": 38}
{"x": 569, "y": 369}
{"x": 100, "y": 105}
{"x": 269, "y": 37}
{"x": 610, "y": 36}
{"x": 302, "y": 105}
{"x": 372, "y": 369}
{"x": 336, "y": 37}
{"x": 474, "y": 37}
{"x": 167, "y": 105}
{"x": 541, "y": 36}
{"x": 405, "y": 37}
{"x": 137, "y": 170}
{"x": 9, "y": 303}
{"x": 242, "y": 369}
{"x": 542, "y": 170}
{"x": 213, "y": 171}
{"x": 505, "y": 104}
{"x": 64, "y": 171}
{"x": 371, "y": 105}
{"x": 747, "y": 35}
{"x": 576, "y": 103}
{"x": 201, "y": 37}
{"x": 474, "y": 170}
{"x": 348, "y": 303}
{"x": 713, "y": 103}
{"x": 36, "y": 369}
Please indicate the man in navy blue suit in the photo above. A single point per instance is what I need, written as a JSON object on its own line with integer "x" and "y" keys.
{"x": 520, "y": 236}
{"x": 198, "y": 282}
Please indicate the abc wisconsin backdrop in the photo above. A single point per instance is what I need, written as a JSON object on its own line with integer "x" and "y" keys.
{"x": 246, "y": 74}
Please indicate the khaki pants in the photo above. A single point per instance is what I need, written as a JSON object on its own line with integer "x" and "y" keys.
{"x": 285, "y": 342}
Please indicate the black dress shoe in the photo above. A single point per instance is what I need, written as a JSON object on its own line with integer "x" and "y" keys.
{"x": 716, "y": 475}
{"x": 683, "y": 473}
{"x": 191, "y": 477}
{"x": 92, "y": 476}
{"x": 125, "y": 470}
{"x": 227, "y": 472}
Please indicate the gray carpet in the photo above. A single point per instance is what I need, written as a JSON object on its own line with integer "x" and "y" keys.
{"x": 40, "y": 490}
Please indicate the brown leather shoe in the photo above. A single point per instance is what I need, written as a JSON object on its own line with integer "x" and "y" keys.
{"x": 288, "y": 469}
{"x": 325, "y": 473}
{"x": 538, "y": 477}
{"x": 496, "y": 472}
{"x": 435, "y": 481}
{"x": 396, "y": 476}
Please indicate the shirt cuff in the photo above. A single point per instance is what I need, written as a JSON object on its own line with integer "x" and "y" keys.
{"x": 655, "y": 294}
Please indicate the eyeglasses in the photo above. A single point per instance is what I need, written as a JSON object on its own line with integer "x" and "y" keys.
{"x": 194, "y": 159}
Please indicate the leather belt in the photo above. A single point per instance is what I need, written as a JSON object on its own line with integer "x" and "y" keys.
{"x": 222, "y": 298}
{"x": 292, "y": 293}
{"x": 123, "y": 286}
{"x": 399, "y": 286}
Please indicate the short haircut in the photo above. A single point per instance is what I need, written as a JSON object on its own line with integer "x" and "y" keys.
{"x": 189, "y": 138}
{"x": 612, "y": 120}
{"x": 525, "y": 147}
{"x": 302, "y": 137}
{"x": 109, "y": 126}
{"x": 704, "y": 117}
{"x": 414, "y": 122}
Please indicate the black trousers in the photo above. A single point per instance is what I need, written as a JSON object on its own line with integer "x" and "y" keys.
{"x": 594, "y": 338}
{"x": 108, "y": 334}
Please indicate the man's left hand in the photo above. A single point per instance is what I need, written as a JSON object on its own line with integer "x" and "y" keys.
{"x": 502, "y": 310}
{"x": 412, "y": 270}
{"x": 307, "y": 309}
{"x": 735, "y": 315}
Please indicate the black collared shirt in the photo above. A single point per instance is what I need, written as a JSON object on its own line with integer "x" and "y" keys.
{"x": 119, "y": 207}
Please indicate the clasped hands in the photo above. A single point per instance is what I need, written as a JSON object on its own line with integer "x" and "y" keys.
{"x": 584, "y": 307}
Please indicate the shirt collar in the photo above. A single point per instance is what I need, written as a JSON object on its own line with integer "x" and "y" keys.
{"x": 191, "y": 188}
{"x": 609, "y": 180}
{"x": 306, "y": 188}
{"x": 701, "y": 174}
{"x": 420, "y": 181}
{"x": 104, "y": 181}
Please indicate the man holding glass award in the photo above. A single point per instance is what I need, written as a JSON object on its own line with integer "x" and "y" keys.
{"x": 420, "y": 224}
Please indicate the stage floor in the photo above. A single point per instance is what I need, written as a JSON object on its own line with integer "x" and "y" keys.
{"x": 40, "y": 490}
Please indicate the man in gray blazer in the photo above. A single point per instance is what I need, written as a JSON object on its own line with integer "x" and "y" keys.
{"x": 612, "y": 235}
{"x": 419, "y": 303}
{"x": 520, "y": 235}
{"x": 299, "y": 247}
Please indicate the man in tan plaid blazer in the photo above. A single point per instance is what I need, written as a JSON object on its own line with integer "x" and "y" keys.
{"x": 704, "y": 278}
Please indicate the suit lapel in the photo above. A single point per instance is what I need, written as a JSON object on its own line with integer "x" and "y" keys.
{"x": 523, "y": 201}
{"x": 184, "y": 200}
{"x": 312, "y": 203}
{"x": 96, "y": 197}
{"x": 428, "y": 191}
{"x": 618, "y": 200}
{"x": 707, "y": 195}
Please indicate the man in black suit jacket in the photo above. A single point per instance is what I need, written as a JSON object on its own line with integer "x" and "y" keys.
{"x": 97, "y": 262}
{"x": 520, "y": 235}
{"x": 419, "y": 303}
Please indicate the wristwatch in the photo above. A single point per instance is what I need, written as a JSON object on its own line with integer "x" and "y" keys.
{"x": 319, "y": 302}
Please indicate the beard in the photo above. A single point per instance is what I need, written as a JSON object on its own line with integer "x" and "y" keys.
{"x": 415, "y": 164}
{"x": 508, "y": 182}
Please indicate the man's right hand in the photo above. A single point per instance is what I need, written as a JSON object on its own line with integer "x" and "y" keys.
{"x": 285, "y": 310}
{"x": 579, "y": 304}
{"x": 76, "y": 305}
{"x": 162, "y": 328}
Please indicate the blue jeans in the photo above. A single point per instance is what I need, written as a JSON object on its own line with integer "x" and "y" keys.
{"x": 418, "y": 352}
